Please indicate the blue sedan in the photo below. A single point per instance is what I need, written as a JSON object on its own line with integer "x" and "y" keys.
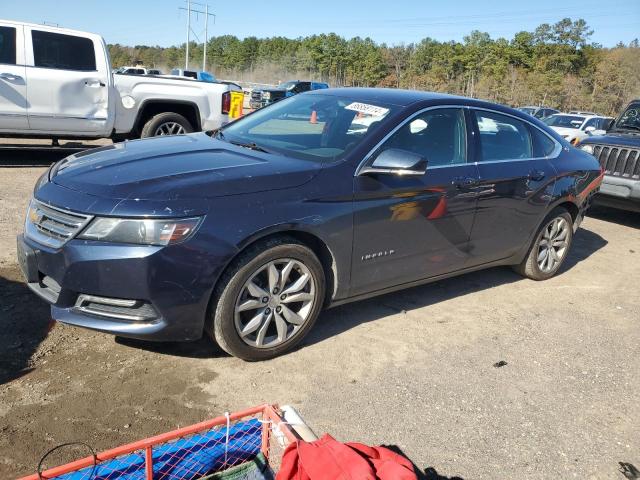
{"x": 327, "y": 197}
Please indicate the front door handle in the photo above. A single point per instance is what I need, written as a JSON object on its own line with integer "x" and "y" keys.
{"x": 464, "y": 182}
{"x": 10, "y": 76}
{"x": 94, "y": 83}
{"x": 536, "y": 175}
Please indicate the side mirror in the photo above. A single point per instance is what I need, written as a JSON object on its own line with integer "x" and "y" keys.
{"x": 395, "y": 161}
{"x": 590, "y": 129}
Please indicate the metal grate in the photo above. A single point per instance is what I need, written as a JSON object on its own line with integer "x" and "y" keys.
{"x": 618, "y": 161}
{"x": 53, "y": 226}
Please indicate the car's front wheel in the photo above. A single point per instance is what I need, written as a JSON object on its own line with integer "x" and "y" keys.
{"x": 268, "y": 300}
{"x": 550, "y": 247}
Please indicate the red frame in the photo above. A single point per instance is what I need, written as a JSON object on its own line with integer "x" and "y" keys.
{"x": 269, "y": 413}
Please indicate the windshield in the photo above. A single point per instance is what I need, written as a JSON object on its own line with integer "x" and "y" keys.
{"x": 308, "y": 127}
{"x": 564, "y": 121}
{"x": 630, "y": 118}
{"x": 528, "y": 110}
{"x": 287, "y": 85}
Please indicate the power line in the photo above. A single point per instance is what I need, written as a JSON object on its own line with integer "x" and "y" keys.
{"x": 189, "y": 30}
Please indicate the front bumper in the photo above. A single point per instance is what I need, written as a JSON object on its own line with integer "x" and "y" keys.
{"x": 619, "y": 192}
{"x": 171, "y": 285}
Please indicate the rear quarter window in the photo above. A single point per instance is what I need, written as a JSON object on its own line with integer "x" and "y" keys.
{"x": 543, "y": 145}
{"x": 63, "y": 52}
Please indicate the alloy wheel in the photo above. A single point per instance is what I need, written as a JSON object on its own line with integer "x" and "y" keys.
{"x": 275, "y": 303}
{"x": 553, "y": 244}
{"x": 169, "y": 128}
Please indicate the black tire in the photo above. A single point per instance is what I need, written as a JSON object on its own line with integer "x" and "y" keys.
{"x": 222, "y": 326}
{"x": 150, "y": 128}
{"x": 530, "y": 267}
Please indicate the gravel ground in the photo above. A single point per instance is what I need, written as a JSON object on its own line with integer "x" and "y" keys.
{"x": 415, "y": 369}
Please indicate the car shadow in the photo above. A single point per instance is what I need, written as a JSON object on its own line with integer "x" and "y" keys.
{"x": 203, "y": 348}
{"x": 343, "y": 318}
{"x": 24, "y": 324}
{"x": 614, "y": 215}
{"x": 429, "y": 473}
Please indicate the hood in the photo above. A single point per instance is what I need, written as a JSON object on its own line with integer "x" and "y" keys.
{"x": 179, "y": 167}
{"x": 623, "y": 139}
{"x": 566, "y": 131}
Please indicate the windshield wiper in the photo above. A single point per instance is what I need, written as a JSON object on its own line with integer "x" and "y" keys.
{"x": 629, "y": 127}
{"x": 251, "y": 146}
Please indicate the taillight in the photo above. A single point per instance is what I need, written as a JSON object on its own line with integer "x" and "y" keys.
{"x": 226, "y": 102}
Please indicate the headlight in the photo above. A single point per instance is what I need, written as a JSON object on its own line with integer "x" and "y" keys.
{"x": 587, "y": 148}
{"x": 266, "y": 95}
{"x": 141, "y": 231}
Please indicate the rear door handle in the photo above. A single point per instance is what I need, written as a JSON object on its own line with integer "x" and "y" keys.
{"x": 10, "y": 76}
{"x": 536, "y": 175}
{"x": 465, "y": 182}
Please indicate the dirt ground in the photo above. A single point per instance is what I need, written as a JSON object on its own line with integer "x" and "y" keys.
{"x": 413, "y": 369}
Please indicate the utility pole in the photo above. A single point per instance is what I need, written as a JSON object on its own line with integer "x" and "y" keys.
{"x": 186, "y": 58}
{"x": 206, "y": 38}
{"x": 206, "y": 14}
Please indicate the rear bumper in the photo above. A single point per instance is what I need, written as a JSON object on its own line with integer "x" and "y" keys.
{"x": 170, "y": 285}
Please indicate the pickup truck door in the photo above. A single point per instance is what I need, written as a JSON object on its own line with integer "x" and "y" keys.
{"x": 13, "y": 89}
{"x": 69, "y": 81}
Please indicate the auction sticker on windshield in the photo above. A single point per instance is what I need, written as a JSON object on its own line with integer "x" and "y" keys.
{"x": 368, "y": 109}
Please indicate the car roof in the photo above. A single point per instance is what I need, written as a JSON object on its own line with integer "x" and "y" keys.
{"x": 391, "y": 96}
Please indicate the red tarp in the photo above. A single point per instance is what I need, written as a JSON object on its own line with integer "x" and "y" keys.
{"x": 332, "y": 460}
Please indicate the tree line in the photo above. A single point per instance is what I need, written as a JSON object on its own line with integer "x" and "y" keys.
{"x": 555, "y": 65}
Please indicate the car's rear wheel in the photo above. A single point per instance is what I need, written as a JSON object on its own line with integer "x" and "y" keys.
{"x": 550, "y": 247}
{"x": 268, "y": 300}
{"x": 166, "y": 123}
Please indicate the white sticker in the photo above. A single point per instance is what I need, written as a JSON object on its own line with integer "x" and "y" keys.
{"x": 368, "y": 109}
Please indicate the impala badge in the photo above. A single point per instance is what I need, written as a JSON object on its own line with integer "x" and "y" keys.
{"x": 372, "y": 256}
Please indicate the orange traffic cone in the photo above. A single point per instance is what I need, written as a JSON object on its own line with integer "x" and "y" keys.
{"x": 314, "y": 117}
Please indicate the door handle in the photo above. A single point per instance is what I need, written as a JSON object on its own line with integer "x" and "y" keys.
{"x": 10, "y": 76}
{"x": 94, "y": 83}
{"x": 465, "y": 182}
{"x": 536, "y": 175}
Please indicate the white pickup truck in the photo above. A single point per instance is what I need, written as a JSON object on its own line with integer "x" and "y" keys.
{"x": 57, "y": 83}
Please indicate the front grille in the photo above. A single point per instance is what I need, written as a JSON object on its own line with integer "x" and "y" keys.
{"x": 618, "y": 161}
{"x": 53, "y": 226}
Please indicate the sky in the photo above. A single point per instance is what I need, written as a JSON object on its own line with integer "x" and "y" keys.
{"x": 162, "y": 22}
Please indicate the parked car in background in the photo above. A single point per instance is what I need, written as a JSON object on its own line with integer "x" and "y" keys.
{"x": 263, "y": 97}
{"x": 57, "y": 83}
{"x": 618, "y": 151}
{"x": 137, "y": 71}
{"x": 575, "y": 128}
{"x": 538, "y": 112}
{"x": 580, "y": 112}
{"x": 195, "y": 74}
{"x": 248, "y": 232}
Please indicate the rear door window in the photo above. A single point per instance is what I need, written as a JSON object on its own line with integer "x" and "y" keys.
{"x": 8, "y": 45}
{"x": 502, "y": 137}
{"x": 63, "y": 52}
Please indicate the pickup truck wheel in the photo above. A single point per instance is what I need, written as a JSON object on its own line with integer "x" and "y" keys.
{"x": 268, "y": 300}
{"x": 550, "y": 247}
{"x": 166, "y": 123}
